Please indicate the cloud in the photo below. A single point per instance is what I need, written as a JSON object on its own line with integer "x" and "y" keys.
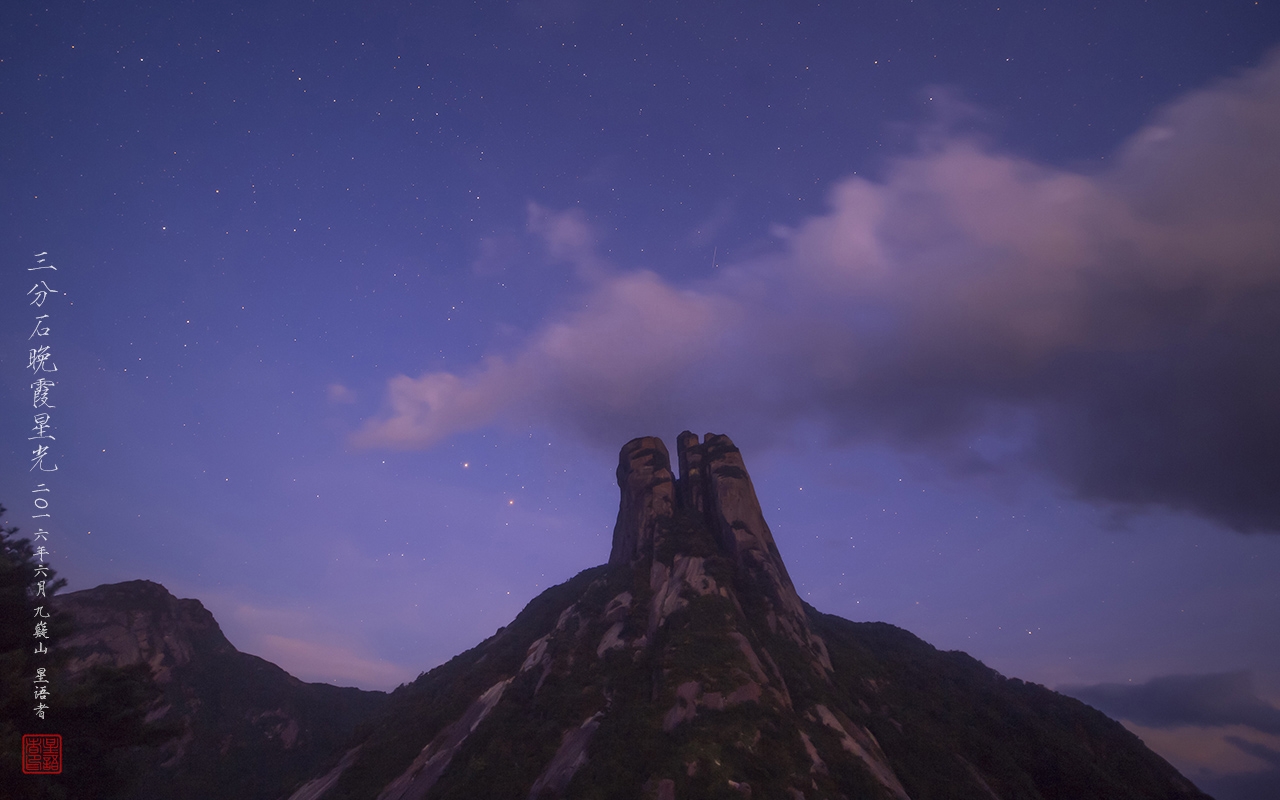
{"x": 568, "y": 237}
{"x": 340, "y": 394}
{"x": 326, "y": 663}
{"x": 1176, "y": 700}
{"x": 709, "y": 229}
{"x": 1132, "y": 313}
{"x": 1201, "y": 752}
{"x": 1215, "y": 729}
{"x": 317, "y": 651}
{"x": 584, "y": 367}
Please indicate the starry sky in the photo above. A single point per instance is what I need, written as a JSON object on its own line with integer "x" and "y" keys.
{"x": 355, "y": 304}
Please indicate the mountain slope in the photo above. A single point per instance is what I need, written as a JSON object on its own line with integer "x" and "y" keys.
{"x": 241, "y": 726}
{"x": 688, "y": 667}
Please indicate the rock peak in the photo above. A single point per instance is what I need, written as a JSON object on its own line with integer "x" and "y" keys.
{"x": 688, "y": 667}
{"x": 661, "y": 520}
{"x": 713, "y": 490}
{"x": 648, "y": 499}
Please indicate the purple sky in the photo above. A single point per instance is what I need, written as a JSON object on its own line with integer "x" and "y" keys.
{"x": 358, "y": 306}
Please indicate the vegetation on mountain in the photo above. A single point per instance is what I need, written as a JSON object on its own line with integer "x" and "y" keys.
{"x": 942, "y": 716}
{"x": 99, "y": 713}
{"x": 231, "y": 725}
{"x": 686, "y": 667}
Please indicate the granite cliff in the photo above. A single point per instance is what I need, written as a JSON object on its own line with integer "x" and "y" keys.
{"x": 688, "y": 667}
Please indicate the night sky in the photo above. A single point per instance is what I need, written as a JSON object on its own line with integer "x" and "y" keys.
{"x": 356, "y": 304}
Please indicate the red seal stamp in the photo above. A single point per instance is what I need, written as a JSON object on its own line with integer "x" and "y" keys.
{"x": 42, "y": 754}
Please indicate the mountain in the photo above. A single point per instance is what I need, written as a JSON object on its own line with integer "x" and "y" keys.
{"x": 240, "y": 727}
{"x": 688, "y": 667}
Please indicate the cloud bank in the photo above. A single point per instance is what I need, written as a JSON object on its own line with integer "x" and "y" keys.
{"x": 1175, "y": 700}
{"x": 1214, "y": 728}
{"x": 1131, "y": 315}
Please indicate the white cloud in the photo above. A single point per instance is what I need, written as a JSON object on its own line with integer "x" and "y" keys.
{"x": 340, "y": 394}
{"x": 1135, "y": 311}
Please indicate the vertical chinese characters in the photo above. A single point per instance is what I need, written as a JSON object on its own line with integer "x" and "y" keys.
{"x": 42, "y": 366}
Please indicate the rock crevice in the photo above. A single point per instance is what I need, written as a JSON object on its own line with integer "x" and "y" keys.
{"x": 713, "y": 492}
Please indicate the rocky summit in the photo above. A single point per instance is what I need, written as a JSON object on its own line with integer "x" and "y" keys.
{"x": 226, "y": 724}
{"x": 688, "y": 667}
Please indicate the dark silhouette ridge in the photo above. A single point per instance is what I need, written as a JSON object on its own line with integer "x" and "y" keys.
{"x": 688, "y": 667}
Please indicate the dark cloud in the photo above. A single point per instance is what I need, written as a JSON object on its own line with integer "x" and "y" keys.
{"x": 1259, "y": 751}
{"x": 1121, "y": 327}
{"x": 1249, "y": 786}
{"x": 1214, "y": 728}
{"x": 1198, "y": 700}
{"x": 1190, "y": 424}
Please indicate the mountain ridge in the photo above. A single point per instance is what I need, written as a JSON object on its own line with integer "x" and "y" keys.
{"x": 688, "y": 667}
{"x": 241, "y": 726}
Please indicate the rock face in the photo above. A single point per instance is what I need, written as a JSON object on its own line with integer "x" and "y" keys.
{"x": 688, "y": 667}
{"x": 137, "y": 622}
{"x": 648, "y": 500}
{"x": 241, "y": 726}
